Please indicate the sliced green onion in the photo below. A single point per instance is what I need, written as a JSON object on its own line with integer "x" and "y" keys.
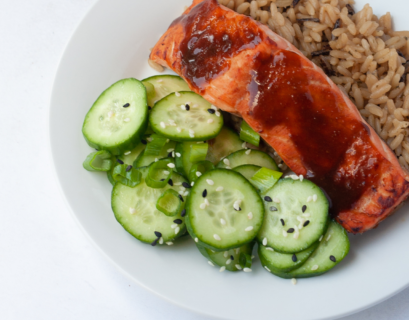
{"x": 127, "y": 175}
{"x": 169, "y": 203}
{"x": 202, "y": 167}
{"x": 154, "y": 147}
{"x": 159, "y": 173}
{"x": 198, "y": 152}
{"x": 98, "y": 161}
{"x": 248, "y": 134}
{"x": 245, "y": 260}
{"x": 150, "y": 89}
{"x": 265, "y": 179}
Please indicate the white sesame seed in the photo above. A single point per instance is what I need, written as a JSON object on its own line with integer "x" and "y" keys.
{"x": 156, "y": 159}
{"x": 111, "y": 114}
{"x": 287, "y": 177}
{"x": 211, "y": 263}
{"x": 178, "y": 154}
{"x": 223, "y": 222}
{"x": 177, "y": 230}
{"x": 275, "y": 153}
{"x": 250, "y": 215}
{"x": 217, "y": 237}
{"x": 192, "y": 184}
{"x": 228, "y": 167}
{"x": 173, "y": 154}
{"x": 170, "y": 150}
{"x": 161, "y": 240}
{"x": 321, "y": 238}
{"x": 329, "y": 237}
{"x": 236, "y": 206}
{"x": 182, "y": 107}
{"x": 163, "y": 125}
{"x": 196, "y": 240}
{"x": 217, "y": 113}
{"x": 228, "y": 261}
{"x": 166, "y": 172}
{"x": 169, "y": 243}
{"x": 132, "y": 210}
{"x": 181, "y": 192}
{"x": 285, "y": 234}
{"x": 171, "y": 165}
{"x": 172, "y": 123}
{"x": 309, "y": 199}
{"x": 269, "y": 249}
{"x": 294, "y": 281}
{"x": 244, "y": 145}
{"x": 202, "y": 206}
{"x": 127, "y": 120}
{"x": 177, "y": 183}
{"x": 177, "y": 94}
{"x": 301, "y": 177}
{"x": 206, "y": 202}
{"x": 296, "y": 235}
{"x": 307, "y": 215}
{"x": 300, "y": 218}
{"x": 280, "y": 165}
{"x": 186, "y": 193}
{"x": 210, "y": 121}
{"x": 222, "y": 269}
{"x": 264, "y": 241}
{"x": 219, "y": 188}
{"x": 209, "y": 182}
{"x": 198, "y": 173}
{"x": 247, "y": 270}
{"x": 173, "y": 226}
{"x": 225, "y": 254}
{"x": 314, "y": 197}
{"x": 191, "y": 133}
{"x": 276, "y": 200}
{"x": 249, "y": 228}
{"x": 248, "y": 151}
{"x": 238, "y": 267}
{"x": 214, "y": 108}
{"x": 126, "y": 153}
{"x": 226, "y": 161}
{"x": 314, "y": 268}
{"x": 178, "y": 129}
{"x": 149, "y": 139}
{"x": 265, "y": 267}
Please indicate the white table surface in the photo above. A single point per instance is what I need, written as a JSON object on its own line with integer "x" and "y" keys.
{"x": 48, "y": 268}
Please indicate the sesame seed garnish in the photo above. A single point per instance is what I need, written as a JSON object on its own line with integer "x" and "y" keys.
{"x": 173, "y": 226}
{"x": 227, "y": 167}
{"x": 236, "y": 205}
{"x": 178, "y": 221}
{"x": 219, "y": 188}
{"x": 144, "y": 141}
{"x": 296, "y": 235}
{"x": 198, "y": 173}
{"x": 173, "y": 154}
{"x": 217, "y": 113}
{"x": 206, "y": 202}
{"x": 161, "y": 241}
{"x": 332, "y": 258}
{"x": 181, "y": 198}
{"x": 126, "y": 153}
{"x": 276, "y": 200}
{"x": 181, "y": 192}
{"x": 217, "y": 237}
{"x": 222, "y": 269}
{"x": 126, "y": 105}
{"x": 301, "y": 177}
{"x": 248, "y": 151}
{"x": 209, "y": 121}
{"x": 191, "y": 133}
{"x": 177, "y": 230}
{"x": 186, "y": 193}
{"x": 204, "y": 193}
{"x": 209, "y": 182}
{"x": 226, "y": 161}
{"x": 196, "y": 240}
{"x": 202, "y": 206}
{"x": 269, "y": 249}
{"x": 169, "y": 243}
{"x": 225, "y": 254}
{"x": 249, "y": 228}
{"x": 294, "y": 258}
{"x": 285, "y": 233}
{"x": 329, "y": 237}
{"x": 268, "y": 199}
{"x": 301, "y": 219}
{"x": 187, "y": 107}
{"x": 228, "y": 261}
{"x": 309, "y": 199}
{"x": 272, "y": 208}
{"x": 182, "y": 107}
{"x": 211, "y": 111}
{"x": 163, "y": 125}
{"x": 211, "y": 263}
{"x": 150, "y": 108}
{"x": 178, "y": 130}
{"x": 171, "y": 165}
{"x": 314, "y": 267}
{"x": 265, "y": 267}
{"x": 172, "y": 123}
{"x": 119, "y": 161}
{"x": 214, "y": 107}
{"x": 306, "y": 223}
{"x": 294, "y": 281}
{"x": 186, "y": 185}
{"x": 158, "y": 234}
{"x": 223, "y": 222}
{"x": 321, "y": 238}
{"x": 231, "y": 257}
{"x": 250, "y": 215}
{"x": 282, "y": 222}
{"x": 238, "y": 267}
{"x": 154, "y": 242}
{"x": 244, "y": 145}
{"x": 314, "y": 197}
{"x": 132, "y": 210}
{"x": 156, "y": 159}
{"x": 264, "y": 241}
{"x": 304, "y": 207}
{"x": 127, "y": 120}
{"x": 170, "y": 150}
{"x": 170, "y": 182}
{"x": 148, "y": 139}
{"x": 307, "y": 215}
{"x": 291, "y": 230}
{"x": 192, "y": 184}
{"x": 166, "y": 172}
{"x": 177, "y": 94}
{"x": 183, "y": 213}
{"x": 247, "y": 270}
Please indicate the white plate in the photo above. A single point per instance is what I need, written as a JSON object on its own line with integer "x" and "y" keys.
{"x": 113, "y": 42}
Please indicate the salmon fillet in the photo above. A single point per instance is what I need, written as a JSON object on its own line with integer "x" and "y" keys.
{"x": 244, "y": 68}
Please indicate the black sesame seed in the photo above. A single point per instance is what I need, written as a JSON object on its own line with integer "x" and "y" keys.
{"x": 149, "y": 107}
{"x": 181, "y": 198}
{"x": 294, "y": 258}
{"x": 170, "y": 155}
{"x": 272, "y": 208}
{"x": 119, "y": 161}
{"x": 204, "y": 193}
{"x": 144, "y": 141}
{"x": 154, "y": 242}
{"x": 350, "y": 10}
{"x": 178, "y": 221}
{"x": 332, "y": 258}
{"x": 282, "y": 222}
{"x": 308, "y": 19}
{"x": 306, "y": 223}
{"x": 126, "y": 105}
{"x": 186, "y": 185}
{"x": 400, "y": 53}
{"x": 211, "y": 111}
{"x": 158, "y": 234}
{"x": 97, "y": 149}
{"x": 304, "y": 207}
{"x": 237, "y": 210}
{"x": 170, "y": 182}
{"x": 183, "y": 213}
{"x": 128, "y": 168}
{"x": 162, "y": 179}
{"x": 291, "y": 230}
{"x": 187, "y": 107}
{"x": 320, "y": 53}
{"x": 231, "y": 257}
{"x": 337, "y": 24}
{"x": 295, "y": 2}
{"x": 268, "y": 199}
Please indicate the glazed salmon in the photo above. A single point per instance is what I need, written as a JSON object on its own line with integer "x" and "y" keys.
{"x": 246, "y": 69}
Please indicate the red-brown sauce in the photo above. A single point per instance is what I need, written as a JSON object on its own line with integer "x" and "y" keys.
{"x": 335, "y": 150}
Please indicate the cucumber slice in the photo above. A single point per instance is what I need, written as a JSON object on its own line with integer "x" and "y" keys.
{"x": 226, "y": 142}
{"x": 224, "y": 210}
{"x": 163, "y": 85}
{"x": 293, "y": 221}
{"x": 185, "y": 116}
{"x": 145, "y": 160}
{"x": 332, "y": 249}
{"x": 283, "y": 262}
{"x": 249, "y": 156}
{"x": 183, "y": 163}
{"x": 135, "y": 209}
{"x": 224, "y": 258}
{"x": 118, "y": 118}
{"x": 247, "y": 171}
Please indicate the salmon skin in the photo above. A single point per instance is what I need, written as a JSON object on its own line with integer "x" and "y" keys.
{"x": 244, "y": 68}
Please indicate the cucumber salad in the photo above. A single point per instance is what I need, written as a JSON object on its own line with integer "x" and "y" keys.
{"x": 177, "y": 169}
